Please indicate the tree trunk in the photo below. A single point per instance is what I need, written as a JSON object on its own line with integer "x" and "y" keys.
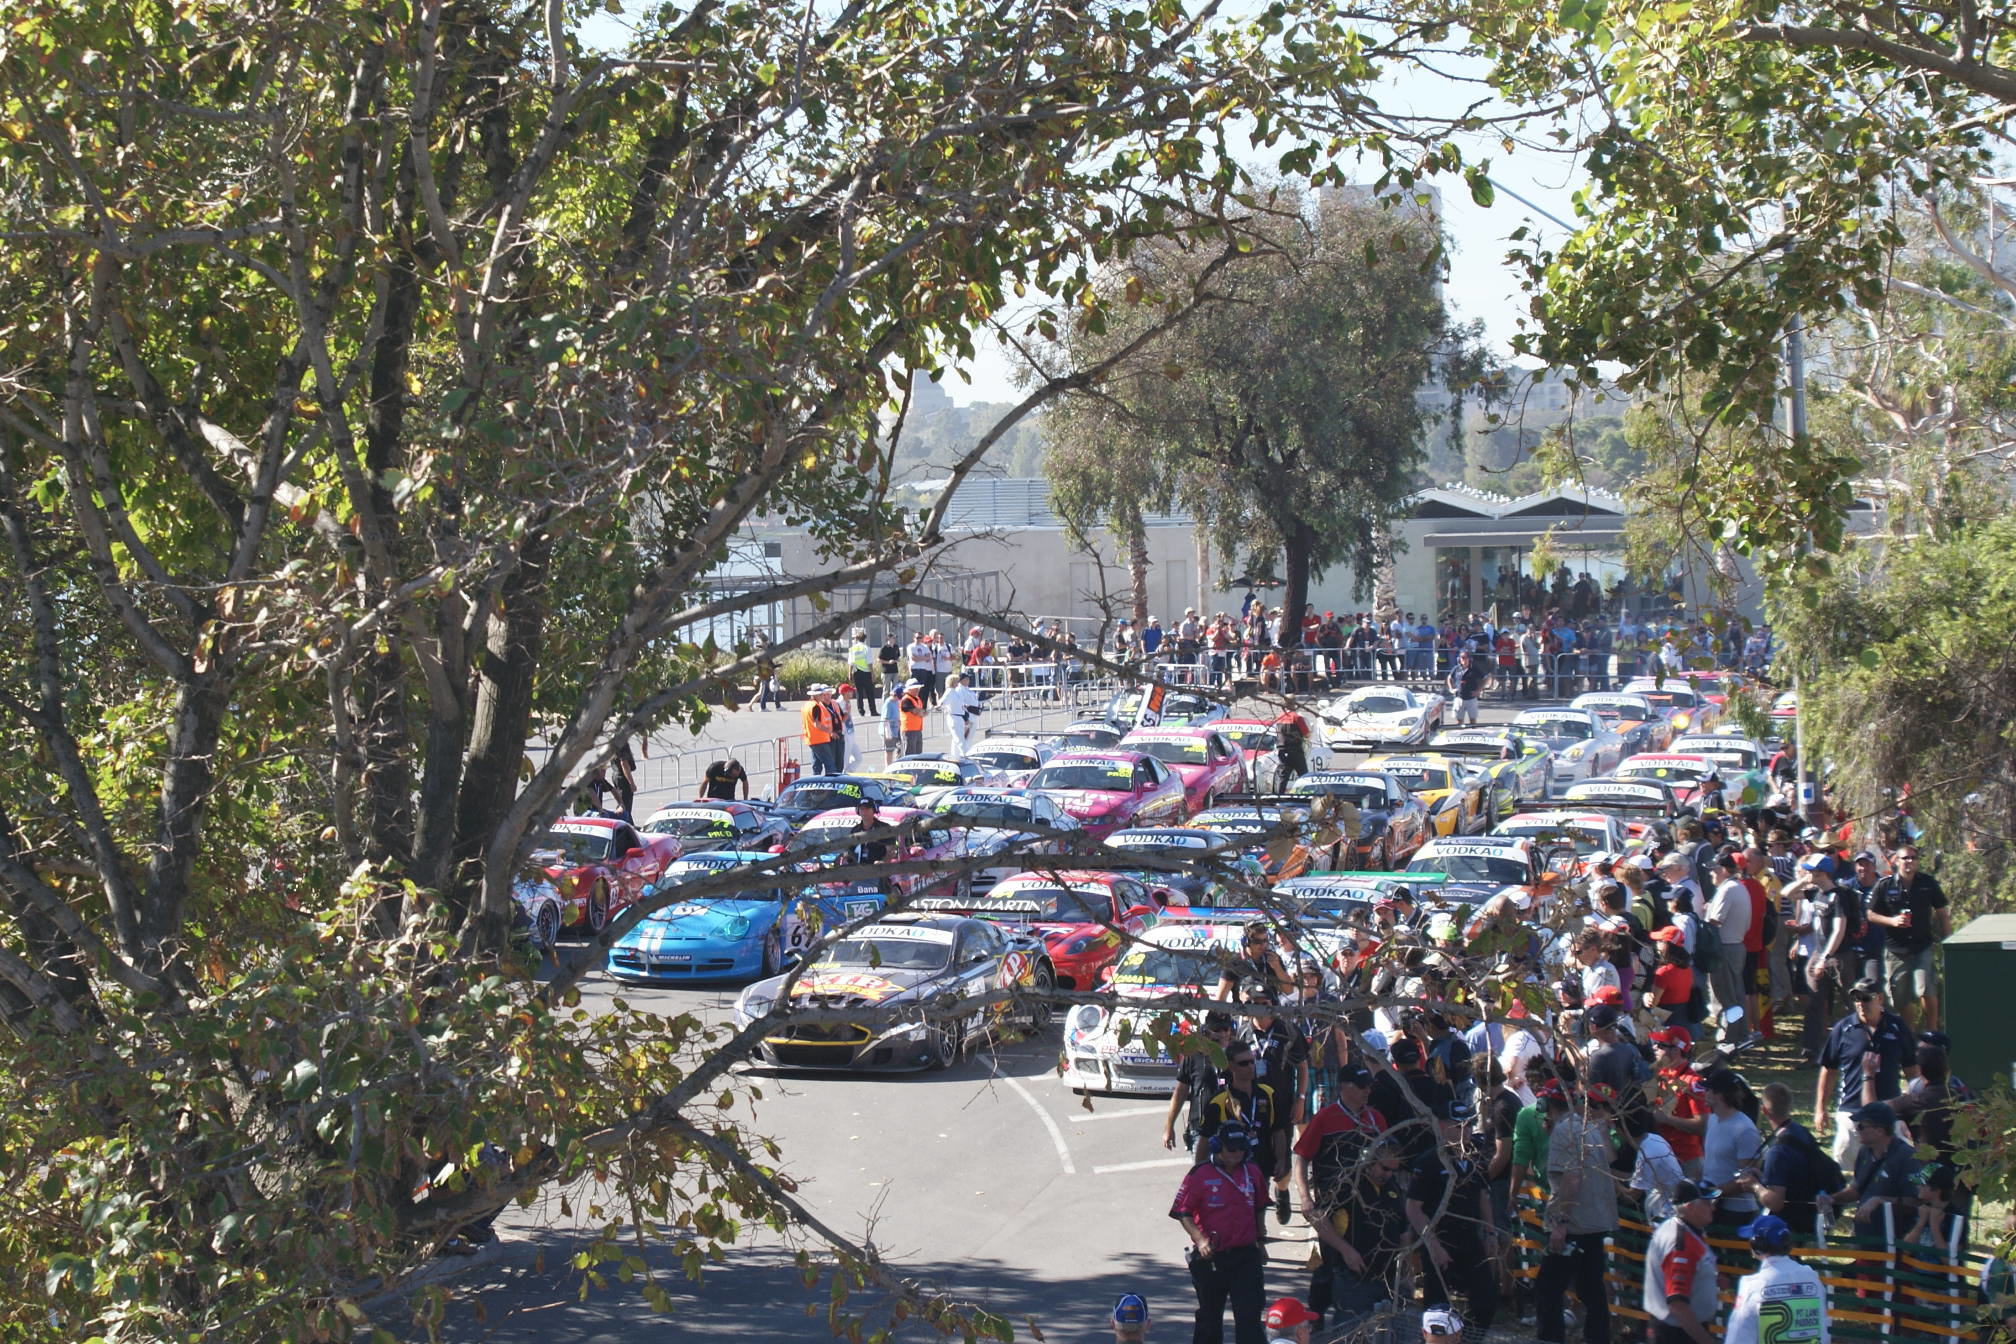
{"x": 1300, "y": 541}
{"x": 501, "y": 722}
{"x": 1203, "y": 537}
{"x": 1137, "y": 568}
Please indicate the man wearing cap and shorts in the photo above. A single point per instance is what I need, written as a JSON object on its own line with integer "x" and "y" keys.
{"x": 1680, "y": 1269}
{"x": 1288, "y": 1321}
{"x": 1782, "y": 1301}
{"x": 1219, "y": 1204}
{"x": 1130, "y": 1319}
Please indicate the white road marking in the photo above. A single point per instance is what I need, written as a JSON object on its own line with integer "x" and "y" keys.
{"x": 1082, "y": 1117}
{"x": 1146, "y": 1166}
{"x": 1043, "y": 1114}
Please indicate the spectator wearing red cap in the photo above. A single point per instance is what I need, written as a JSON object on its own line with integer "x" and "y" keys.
{"x": 1681, "y": 1103}
{"x": 1288, "y": 1321}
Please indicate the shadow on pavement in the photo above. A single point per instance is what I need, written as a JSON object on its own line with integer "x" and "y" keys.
{"x": 528, "y": 1295}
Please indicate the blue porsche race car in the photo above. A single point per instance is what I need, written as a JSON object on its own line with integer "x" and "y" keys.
{"x": 740, "y": 934}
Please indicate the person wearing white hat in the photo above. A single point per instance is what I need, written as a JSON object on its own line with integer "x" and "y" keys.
{"x": 1439, "y": 1325}
{"x": 961, "y": 707}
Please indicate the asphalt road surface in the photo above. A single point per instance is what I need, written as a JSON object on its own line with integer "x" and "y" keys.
{"x": 992, "y": 1181}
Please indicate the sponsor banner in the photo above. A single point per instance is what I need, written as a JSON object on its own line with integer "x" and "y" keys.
{"x": 1160, "y": 839}
{"x": 921, "y": 933}
{"x": 864, "y": 984}
{"x": 1149, "y": 712}
{"x": 583, "y": 827}
{"x": 1474, "y": 849}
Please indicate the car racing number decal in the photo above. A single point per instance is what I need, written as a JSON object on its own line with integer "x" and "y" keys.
{"x": 1015, "y": 968}
{"x": 864, "y": 984}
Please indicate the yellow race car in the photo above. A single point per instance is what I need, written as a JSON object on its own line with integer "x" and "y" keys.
{"x": 1456, "y": 791}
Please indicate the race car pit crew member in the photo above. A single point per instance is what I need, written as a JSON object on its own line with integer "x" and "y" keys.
{"x": 1680, "y": 1270}
{"x": 1329, "y": 1149}
{"x": 910, "y": 711}
{"x": 822, "y": 730}
{"x": 1459, "y": 1244}
{"x": 1408, "y": 1097}
{"x": 1257, "y": 967}
{"x": 1288, "y": 1321}
{"x": 1360, "y": 1238}
{"x": 861, "y": 673}
{"x": 723, "y": 778}
{"x": 1782, "y": 1300}
{"x": 1281, "y": 1061}
{"x": 1200, "y": 1077}
{"x": 1219, "y": 1205}
{"x": 1249, "y": 1105}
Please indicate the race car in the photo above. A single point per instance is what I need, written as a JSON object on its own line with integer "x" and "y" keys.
{"x": 909, "y": 775}
{"x": 1743, "y": 763}
{"x": 1167, "y": 860}
{"x": 1484, "y": 866}
{"x": 827, "y": 835}
{"x": 1584, "y": 746}
{"x": 1392, "y": 823}
{"x": 1587, "y": 832}
{"x": 1374, "y": 716}
{"x": 1173, "y": 708}
{"x": 906, "y": 983}
{"x": 1259, "y": 742}
{"x": 1785, "y": 709}
{"x": 1688, "y": 774}
{"x": 1204, "y": 760}
{"x": 1334, "y": 906}
{"x": 989, "y": 854}
{"x": 1519, "y": 768}
{"x": 1106, "y": 790}
{"x": 1088, "y": 735}
{"x": 1110, "y": 1049}
{"x": 989, "y": 805}
{"x": 601, "y": 864}
{"x": 1689, "y": 708}
{"x": 538, "y": 913}
{"x": 1009, "y": 761}
{"x": 1278, "y": 832}
{"x": 1647, "y": 807}
{"x": 1643, "y": 725}
{"x": 806, "y": 799}
{"x": 1083, "y": 919}
{"x": 725, "y": 935}
{"x": 712, "y": 823}
{"x": 1456, "y": 794}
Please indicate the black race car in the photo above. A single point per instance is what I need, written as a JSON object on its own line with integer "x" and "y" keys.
{"x": 889, "y": 972}
{"x": 806, "y": 799}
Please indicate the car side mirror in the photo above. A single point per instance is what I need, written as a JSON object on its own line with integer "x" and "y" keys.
{"x": 634, "y": 854}
{"x": 1139, "y": 912}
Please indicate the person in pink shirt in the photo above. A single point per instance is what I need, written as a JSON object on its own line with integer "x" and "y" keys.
{"x": 1219, "y": 1205}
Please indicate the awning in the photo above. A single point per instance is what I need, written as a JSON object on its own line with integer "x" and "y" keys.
{"x": 1603, "y": 537}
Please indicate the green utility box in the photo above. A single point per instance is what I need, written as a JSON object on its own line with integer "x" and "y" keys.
{"x": 1980, "y": 994}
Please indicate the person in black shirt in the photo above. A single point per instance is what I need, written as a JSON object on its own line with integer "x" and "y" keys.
{"x": 867, "y": 851}
{"x": 1282, "y": 1062}
{"x": 1395, "y": 1092}
{"x": 1886, "y": 1172}
{"x": 1258, "y": 967}
{"x": 1870, "y": 1027}
{"x": 723, "y": 778}
{"x": 1911, "y": 907}
{"x": 1361, "y": 1238}
{"x": 1448, "y": 1205}
{"x": 1793, "y": 1175}
{"x": 1199, "y": 1077}
{"x": 1245, "y": 1102}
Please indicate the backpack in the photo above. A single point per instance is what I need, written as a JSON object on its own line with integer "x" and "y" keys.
{"x": 1822, "y": 1171}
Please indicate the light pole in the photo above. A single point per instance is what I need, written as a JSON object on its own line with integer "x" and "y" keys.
{"x": 1795, "y": 370}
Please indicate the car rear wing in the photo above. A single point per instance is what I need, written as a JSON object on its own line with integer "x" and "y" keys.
{"x": 1283, "y": 801}
{"x": 1638, "y": 797}
{"x": 1469, "y": 747}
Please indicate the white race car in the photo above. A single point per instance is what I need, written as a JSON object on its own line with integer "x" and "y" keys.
{"x": 1373, "y": 716}
{"x": 1585, "y": 745}
{"x": 1172, "y": 958}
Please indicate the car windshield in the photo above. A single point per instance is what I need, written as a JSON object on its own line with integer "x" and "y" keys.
{"x": 1615, "y": 709}
{"x": 910, "y": 954}
{"x": 1671, "y": 699}
{"x": 1418, "y": 778}
{"x": 1666, "y": 769}
{"x": 1166, "y": 966}
{"x": 924, "y": 772}
{"x": 1360, "y": 793}
{"x": 1006, "y": 814}
{"x": 1555, "y": 725}
{"x": 1108, "y": 776}
{"x": 1586, "y": 839}
{"x": 1375, "y": 704}
{"x": 1089, "y": 737}
{"x": 1505, "y": 871}
{"x": 830, "y": 830}
{"x": 817, "y": 797}
{"x": 1184, "y": 706}
{"x": 1049, "y": 902}
{"x": 581, "y": 847}
{"x": 1176, "y": 753}
{"x": 1006, "y": 758}
{"x": 691, "y": 824}
{"x": 1251, "y": 738}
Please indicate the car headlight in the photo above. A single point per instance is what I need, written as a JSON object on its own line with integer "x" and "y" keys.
{"x": 736, "y": 927}
{"x": 752, "y": 1006}
{"x": 1576, "y": 752}
{"x": 1085, "y": 1021}
{"x": 1082, "y": 944}
{"x": 1682, "y": 720}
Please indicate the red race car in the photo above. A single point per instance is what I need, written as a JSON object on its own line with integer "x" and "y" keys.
{"x": 1208, "y": 762}
{"x": 601, "y": 864}
{"x": 1078, "y": 915}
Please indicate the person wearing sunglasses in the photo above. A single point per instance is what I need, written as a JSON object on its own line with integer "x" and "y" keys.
{"x": 1252, "y": 1105}
{"x": 1256, "y": 968}
{"x": 1219, "y": 1205}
